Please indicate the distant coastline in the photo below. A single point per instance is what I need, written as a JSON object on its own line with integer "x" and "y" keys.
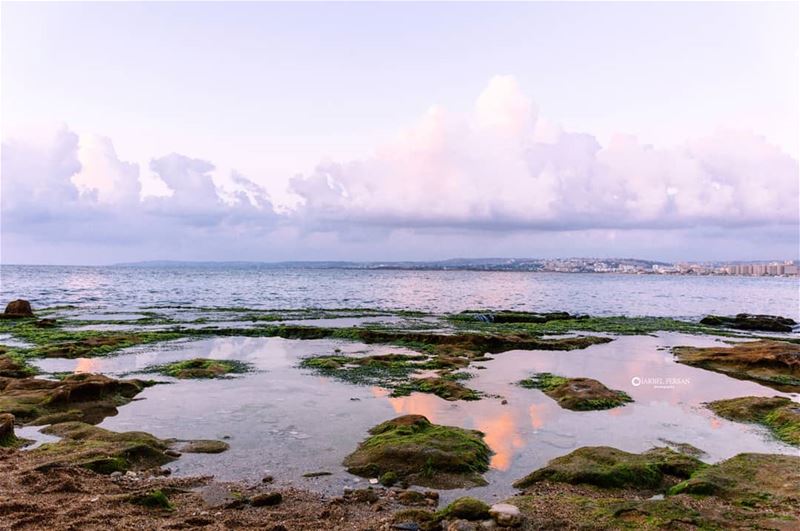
{"x": 551, "y": 265}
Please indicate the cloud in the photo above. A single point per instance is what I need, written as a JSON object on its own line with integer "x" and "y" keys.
{"x": 502, "y": 167}
{"x": 64, "y": 188}
{"x": 500, "y": 179}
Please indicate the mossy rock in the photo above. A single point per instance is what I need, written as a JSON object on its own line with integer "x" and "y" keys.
{"x": 425, "y": 520}
{"x": 577, "y": 394}
{"x": 746, "y": 321}
{"x": 466, "y": 508}
{"x": 199, "y": 368}
{"x": 102, "y": 450}
{"x": 422, "y": 453}
{"x": 772, "y": 363}
{"x": 86, "y": 397}
{"x": 445, "y": 387}
{"x": 607, "y": 467}
{"x": 749, "y": 479}
{"x": 781, "y": 415}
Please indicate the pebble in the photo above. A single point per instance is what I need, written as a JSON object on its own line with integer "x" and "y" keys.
{"x": 267, "y": 479}
{"x": 657, "y": 497}
{"x": 116, "y": 474}
{"x": 506, "y": 515}
{"x": 373, "y": 481}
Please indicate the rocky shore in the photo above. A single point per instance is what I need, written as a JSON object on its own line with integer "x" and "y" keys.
{"x": 89, "y": 476}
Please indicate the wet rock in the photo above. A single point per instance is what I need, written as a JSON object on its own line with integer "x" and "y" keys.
{"x": 422, "y": 453}
{"x": 45, "y": 323}
{"x": 319, "y": 474}
{"x": 506, "y": 515}
{"x": 203, "y": 446}
{"x": 467, "y": 508}
{"x": 779, "y": 414}
{"x": 267, "y": 479}
{"x": 388, "y": 479}
{"x": 746, "y": 321}
{"x": 607, "y": 467}
{"x": 18, "y": 308}
{"x": 577, "y": 394}
{"x": 772, "y": 363}
{"x": 266, "y": 499}
{"x": 420, "y": 519}
{"x": 86, "y": 397}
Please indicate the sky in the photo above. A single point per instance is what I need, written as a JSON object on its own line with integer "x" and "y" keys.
{"x": 398, "y": 131}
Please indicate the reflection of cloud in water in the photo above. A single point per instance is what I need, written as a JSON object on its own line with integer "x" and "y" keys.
{"x": 502, "y": 437}
{"x": 87, "y": 365}
{"x": 537, "y": 413}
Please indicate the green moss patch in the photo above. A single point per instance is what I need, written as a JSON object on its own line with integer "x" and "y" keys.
{"x": 607, "y": 467}
{"x": 422, "y": 453}
{"x": 781, "y": 415}
{"x": 199, "y": 368}
{"x": 101, "y": 450}
{"x": 466, "y": 508}
{"x": 577, "y": 394}
{"x": 155, "y": 499}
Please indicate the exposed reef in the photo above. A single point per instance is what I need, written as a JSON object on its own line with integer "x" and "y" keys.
{"x": 593, "y": 488}
{"x": 747, "y": 321}
{"x": 781, "y": 415}
{"x": 772, "y": 363}
{"x": 421, "y": 453}
{"x": 603, "y": 466}
{"x": 199, "y": 368}
{"x": 577, "y": 394}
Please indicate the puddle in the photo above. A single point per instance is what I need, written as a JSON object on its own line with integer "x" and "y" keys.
{"x": 286, "y": 421}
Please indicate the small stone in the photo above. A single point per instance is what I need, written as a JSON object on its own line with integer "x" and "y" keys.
{"x": 130, "y": 474}
{"x": 19, "y": 308}
{"x": 431, "y": 494}
{"x": 355, "y": 399}
{"x": 657, "y": 497}
{"x": 506, "y": 515}
{"x": 116, "y": 474}
{"x": 94, "y": 498}
{"x": 504, "y": 402}
{"x": 406, "y": 526}
{"x": 172, "y": 453}
{"x": 373, "y": 481}
{"x": 267, "y": 479}
{"x": 266, "y": 499}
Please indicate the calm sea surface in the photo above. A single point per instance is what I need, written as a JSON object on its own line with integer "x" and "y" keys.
{"x": 120, "y": 288}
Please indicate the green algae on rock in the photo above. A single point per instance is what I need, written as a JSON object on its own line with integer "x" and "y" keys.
{"x": 443, "y": 387}
{"x": 748, "y": 479}
{"x": 198, "y": 368}
{"x": 422, "y": 453}
{"x": 608, "y": 467}
{"x": 101, "y": 450}
{"x": 769, "y": 362}
{"x": 781, "y": 415}
{"x": 86, "y": 397}
{"x": 577, "y": 394}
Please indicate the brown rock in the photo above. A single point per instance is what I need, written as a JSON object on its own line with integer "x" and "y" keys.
{"x": 266, "y": 499}
{"x": 19, "y": 308}
{"x": 6, "y": 428}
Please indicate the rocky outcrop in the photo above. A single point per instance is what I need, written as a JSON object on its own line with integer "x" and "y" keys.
{"x": 746, "y": 321}
{"x": 577, "y": 394}
{"x": 772, "y": 363}
{"x": 422, "y": 453}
